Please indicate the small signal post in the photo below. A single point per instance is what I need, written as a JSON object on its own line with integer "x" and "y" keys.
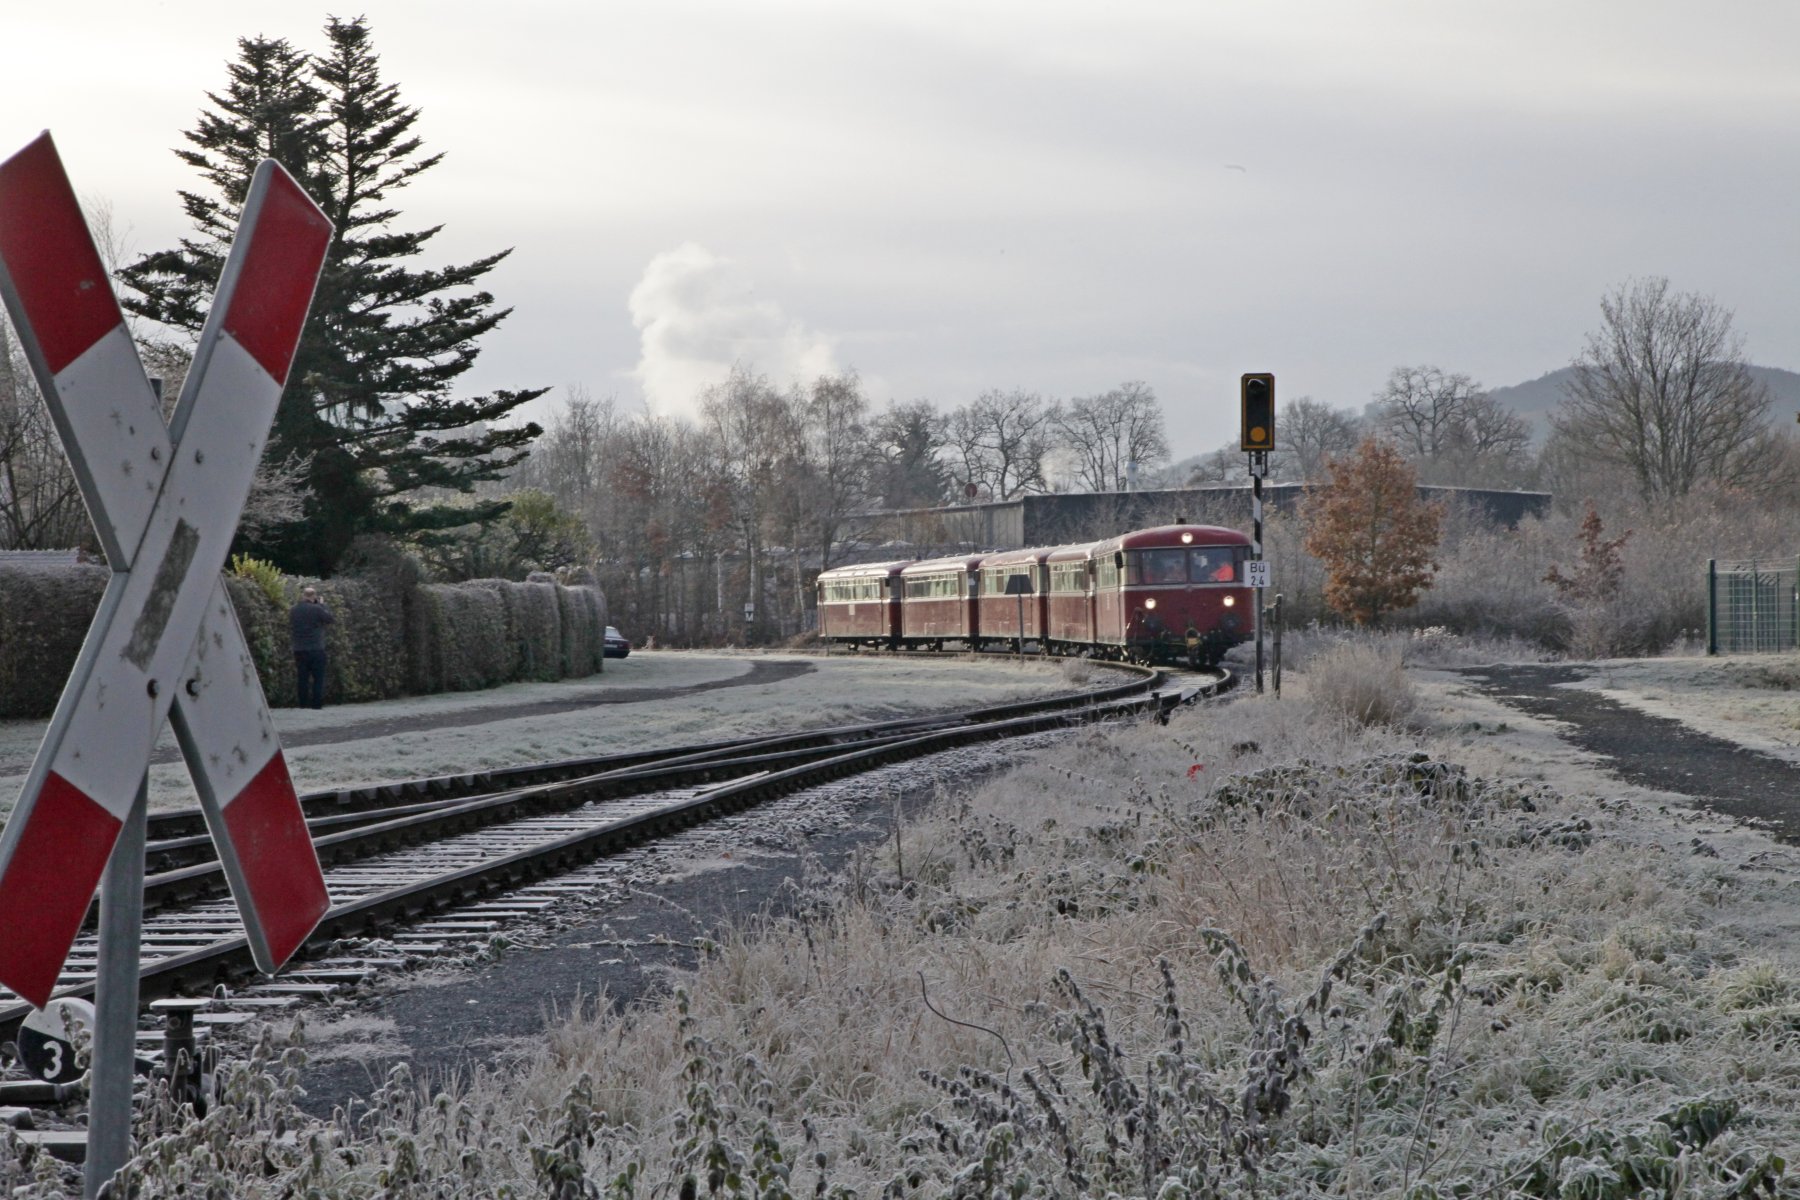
{"x": 1256, "y": 406}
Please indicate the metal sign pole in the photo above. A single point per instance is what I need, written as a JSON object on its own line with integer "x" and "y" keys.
{"x": 116, "y": 1002}
{"x": 1259, "y": 464}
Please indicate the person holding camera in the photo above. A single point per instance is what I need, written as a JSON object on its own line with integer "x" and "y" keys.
{"x": 306, "y": 626}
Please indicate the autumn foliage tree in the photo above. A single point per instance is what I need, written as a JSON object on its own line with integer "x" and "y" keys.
{"x": 1376, "y": 538}
{"x": 1588, "y": 594}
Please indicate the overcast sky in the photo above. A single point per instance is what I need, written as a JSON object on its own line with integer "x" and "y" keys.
{"x": 949, "y": 197}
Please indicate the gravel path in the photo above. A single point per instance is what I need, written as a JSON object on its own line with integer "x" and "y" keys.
{"x": 1653, "y": 752}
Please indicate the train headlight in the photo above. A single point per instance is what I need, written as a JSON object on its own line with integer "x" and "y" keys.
{"x": 1150, "y": 603}
{"x": 1230, "y": 600}
{"x": 1186, "y": 538}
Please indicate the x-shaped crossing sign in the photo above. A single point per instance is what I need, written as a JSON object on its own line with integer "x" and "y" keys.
{"x": 165, "y": 501}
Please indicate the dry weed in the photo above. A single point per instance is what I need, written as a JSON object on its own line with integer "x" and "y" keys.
{"x": 1251, "y": 954}
{"x": 1362, "y": 679}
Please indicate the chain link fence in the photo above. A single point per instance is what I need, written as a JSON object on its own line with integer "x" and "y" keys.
{"x": 1752, "y": 605}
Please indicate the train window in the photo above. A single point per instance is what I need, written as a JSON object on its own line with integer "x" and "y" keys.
{"x": 934, "y": 587}
{"x": 1106, "y": 572}
{"x": 1156, "y": 566}
{"x": 1216, "y": 564}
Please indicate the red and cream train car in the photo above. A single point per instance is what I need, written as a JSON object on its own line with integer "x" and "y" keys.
{"x": 860, "y": 604}
{"x": 1013, "y": 590}
{"x": 938, "y": 598}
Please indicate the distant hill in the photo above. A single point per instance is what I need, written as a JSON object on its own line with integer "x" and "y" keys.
{"x": 1537, "y": 398}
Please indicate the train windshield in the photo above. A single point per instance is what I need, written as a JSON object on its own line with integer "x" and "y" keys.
{"x": 1193, "y": 564}
{"x": 1217, "y": 564}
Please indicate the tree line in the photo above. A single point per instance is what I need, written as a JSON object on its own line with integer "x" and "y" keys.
{"x": 689, "y": 520}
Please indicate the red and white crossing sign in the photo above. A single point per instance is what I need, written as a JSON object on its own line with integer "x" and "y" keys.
{"x": 165, "y": 502}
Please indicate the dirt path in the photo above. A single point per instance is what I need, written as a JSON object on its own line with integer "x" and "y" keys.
{"x": 1650, "y": 751}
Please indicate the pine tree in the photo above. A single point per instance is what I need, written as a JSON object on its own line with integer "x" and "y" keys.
{"x": 1373, "y": 533}
{"x": 368, "y": 407}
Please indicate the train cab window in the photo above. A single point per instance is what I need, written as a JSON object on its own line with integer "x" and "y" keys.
{"x": 1156, "y": 566}
{"x": 1216, "y": 564}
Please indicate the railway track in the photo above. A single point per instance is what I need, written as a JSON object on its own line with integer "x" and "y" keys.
{"x": 433, "y": 866}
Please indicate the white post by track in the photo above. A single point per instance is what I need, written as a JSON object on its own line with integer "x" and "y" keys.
{"x": 165, "y": 642}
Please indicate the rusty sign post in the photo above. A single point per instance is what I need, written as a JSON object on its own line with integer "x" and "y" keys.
{"x": 165, "y": 643}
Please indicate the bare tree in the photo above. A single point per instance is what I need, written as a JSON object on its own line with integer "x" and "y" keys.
{"x": 1450, "y": 428}
{"x": 1106, "y": 434}
{"x": 1308, "y": 433}
{"x": 1227, "y": 464}
{"x": 568, "y": 460}
{"x": 834, "y": 477}
{"x": 40, "y": 505}
{"x": 1661, "y": 389}
{"x": 999, "y": 440}
{"x": 759, "y": 435}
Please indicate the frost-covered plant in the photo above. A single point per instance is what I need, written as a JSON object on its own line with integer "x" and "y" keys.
{"x": 1363, "y": 680}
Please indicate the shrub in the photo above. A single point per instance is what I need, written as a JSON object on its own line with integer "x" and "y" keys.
{"x": 533, "y": 626}
{"x": 44, "y": 615}
{"x": 390, "y": 635}
{"x": 264, "y": 574}
{"x": 264, "y": 621}
{"x": 1363, "y": 679}
{"x": 583, "y": 617}
{"x": 458, "y": 640}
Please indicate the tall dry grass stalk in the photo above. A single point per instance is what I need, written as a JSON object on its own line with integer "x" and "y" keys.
{"x": 1251, "y": 954}
{"x": 1362, "y": 679}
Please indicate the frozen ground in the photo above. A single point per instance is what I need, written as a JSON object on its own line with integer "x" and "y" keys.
{"x": 475, "y": 733}
{"x": 1750, "y": 699}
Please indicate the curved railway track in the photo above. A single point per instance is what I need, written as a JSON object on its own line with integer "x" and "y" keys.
{"x": 400, "y": 856}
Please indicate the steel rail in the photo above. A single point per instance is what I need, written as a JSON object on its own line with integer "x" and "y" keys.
{"x": 226, "y": 960}
{"x": 179, "y": 837}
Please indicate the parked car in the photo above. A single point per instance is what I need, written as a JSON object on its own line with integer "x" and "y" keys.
{"x": 617, "y": 645}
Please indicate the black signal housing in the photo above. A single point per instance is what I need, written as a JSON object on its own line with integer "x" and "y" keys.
{"x": 1256, "y": 391}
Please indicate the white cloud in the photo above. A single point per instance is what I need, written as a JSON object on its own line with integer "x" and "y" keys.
{"x": 697, "y": 314}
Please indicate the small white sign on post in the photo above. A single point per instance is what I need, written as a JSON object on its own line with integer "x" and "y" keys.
{"x": 749, "y": 612}
{"x": 1256, "y": 573}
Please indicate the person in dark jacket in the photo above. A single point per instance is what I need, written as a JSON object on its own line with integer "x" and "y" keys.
{"x": 306, "y": 625}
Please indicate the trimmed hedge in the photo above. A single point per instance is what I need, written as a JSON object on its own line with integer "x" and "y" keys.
{"x": 391, "y": 637}
{"x": 45, "y": 612}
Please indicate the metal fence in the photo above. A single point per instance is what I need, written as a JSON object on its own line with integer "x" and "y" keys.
{"x": 1752, "y": 605}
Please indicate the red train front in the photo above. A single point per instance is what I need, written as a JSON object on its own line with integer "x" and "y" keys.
{"x": 1173, "y": 593}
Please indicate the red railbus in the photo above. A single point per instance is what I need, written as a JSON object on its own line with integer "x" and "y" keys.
{"x": 1173, "y": 592}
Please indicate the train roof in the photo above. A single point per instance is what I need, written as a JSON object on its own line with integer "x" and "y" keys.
{"x": 959, "y": 562}
{"x": 863, "y": 570}
{"x": 1017, "y": 558}
{"x": 1173, "y": 535}
{"x": 1077, "y": 553}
